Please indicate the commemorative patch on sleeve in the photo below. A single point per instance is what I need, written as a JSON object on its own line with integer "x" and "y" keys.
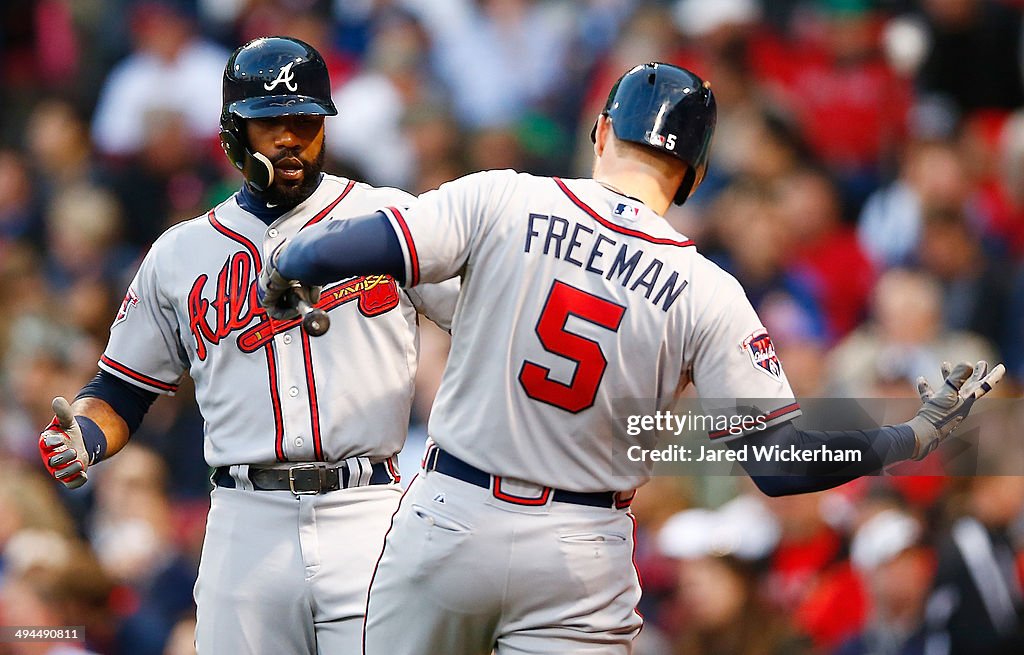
{"x": 130, "y": 300}
{"x": 761, "y": 350}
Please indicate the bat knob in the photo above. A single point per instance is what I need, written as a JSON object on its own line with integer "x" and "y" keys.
{"x": 316, "y": 322}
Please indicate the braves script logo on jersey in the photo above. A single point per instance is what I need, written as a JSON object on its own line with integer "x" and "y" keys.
{"x": 286, "y": 77}
{"x": 375, "y": 294}
{"x": 130, "y": 300}
{"x": 236, "y": 304}
{"x": 762, "y": 354}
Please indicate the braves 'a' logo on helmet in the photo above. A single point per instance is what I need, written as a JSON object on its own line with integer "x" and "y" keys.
{"x": 249, "y": 79}
{"x": 286, "y": 77}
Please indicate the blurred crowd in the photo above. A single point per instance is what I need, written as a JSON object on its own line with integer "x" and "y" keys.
{"x": 866, "y": 187}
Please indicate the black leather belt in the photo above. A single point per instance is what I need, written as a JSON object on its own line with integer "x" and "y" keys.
{"x": 305, "y": 478}
{"x": 450, "y": 465}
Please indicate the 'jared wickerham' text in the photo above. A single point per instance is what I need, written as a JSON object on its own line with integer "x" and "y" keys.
{"x": 743, "y": 453}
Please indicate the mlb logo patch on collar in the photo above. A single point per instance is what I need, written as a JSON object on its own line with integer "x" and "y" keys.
{"x": 761, "y": 350}
{"x": 627, "y": 211}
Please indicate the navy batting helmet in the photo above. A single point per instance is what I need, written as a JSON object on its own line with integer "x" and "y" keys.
{"x": 266, "y": 77}
{"x": 667, "y": 108}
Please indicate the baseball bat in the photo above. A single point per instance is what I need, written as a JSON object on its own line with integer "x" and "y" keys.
{"x": 315, "y": 321}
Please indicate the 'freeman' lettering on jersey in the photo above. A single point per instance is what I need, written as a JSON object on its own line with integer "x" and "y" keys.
{"x": 596, "y": 253}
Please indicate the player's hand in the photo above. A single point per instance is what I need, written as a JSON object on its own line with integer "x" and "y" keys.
{"x": 62, "y": 448}
{"x": 943, "y": 410}
{"x": 279, "y": 295}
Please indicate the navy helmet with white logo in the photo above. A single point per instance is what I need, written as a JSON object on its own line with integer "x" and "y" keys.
{"x": 667, "y": 108}
{"x": 267, "y": 77}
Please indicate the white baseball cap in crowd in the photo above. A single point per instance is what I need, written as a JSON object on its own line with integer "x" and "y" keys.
{"x": 742, "y": 528}
{"x": 882, "y": 537}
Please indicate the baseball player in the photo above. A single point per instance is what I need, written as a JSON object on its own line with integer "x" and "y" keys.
{"x": 575, "y": 293}
{"x": 301, "y": 433}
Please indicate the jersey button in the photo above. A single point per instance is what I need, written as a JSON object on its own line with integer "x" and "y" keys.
{"x": 287, "y": 339}
{"x": 298, "y": 442}
{"x": 294, "y": 391}
{"x": 272, "y": 233}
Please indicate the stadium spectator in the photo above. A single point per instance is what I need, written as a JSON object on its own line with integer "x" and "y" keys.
{"x": 903, "y": 339}
{"x": 86, "y": 221}
{"x": 1005, "y": 193}
{"x": 42, "y": 356}
{"x": 370, "y": 134}
{"x": 720, "y": 606}
{"x": 976, "y": 606}
{"x": 659, "y": 500}
{"x": 28, "y": 502}
{"x": 648, "y": 35}
{"x": 976, "y": 286}
{"x": 52, "y": 580}
{"x": 889, "y": 553}
{"x": 932, "y": 177}
{"x": 809, "y": 576}
{"x": 974, "y": 40}
{"x": 173, "y": 68}
{"x": 20, "y": 218}
{"x": 518, "y": 45}
{"x": 59, "y": 149}
{"x": 171, "y": 178}
{"x": 437, "y": 144}
{"x": 826, "y": 257}
{"x": 131, "y": 531}
{"x": 756, "y": 244}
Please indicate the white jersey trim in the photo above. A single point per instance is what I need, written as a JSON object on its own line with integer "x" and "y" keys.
{"x": 412, "y": 260}
{"x": 136, "y": 378}
{"x": 769, "y": 419}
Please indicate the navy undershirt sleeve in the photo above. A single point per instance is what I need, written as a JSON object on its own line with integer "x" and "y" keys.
{"x": 129, "y": 401}
{"x": 878, "y": 448}
{"x": 335, "y": 250}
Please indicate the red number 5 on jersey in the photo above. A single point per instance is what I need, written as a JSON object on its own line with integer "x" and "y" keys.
{"x": 565, "y": 301}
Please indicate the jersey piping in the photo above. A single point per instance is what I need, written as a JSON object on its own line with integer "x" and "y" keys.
{"x": 138, "y": 377}
{"x": 275, "y": 398}
{"x": 618, "y": 228}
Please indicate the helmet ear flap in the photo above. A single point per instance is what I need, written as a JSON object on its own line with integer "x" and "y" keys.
{"x": 258, "y": 170}
{"x": 255, "y": 166}
{"x": 686, "y": 186}
{"x": 233, "y": 148}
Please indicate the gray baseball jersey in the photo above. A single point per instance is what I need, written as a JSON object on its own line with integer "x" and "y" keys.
{"x": 269, "y": 392}
{"x": 575, "y": 296}
{"x": 280, "y": 573}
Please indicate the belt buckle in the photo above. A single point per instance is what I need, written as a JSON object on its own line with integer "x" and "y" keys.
{"x": 291, "y": 479}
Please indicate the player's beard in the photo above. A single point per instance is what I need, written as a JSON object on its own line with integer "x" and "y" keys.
{"x": 286, "y": 194}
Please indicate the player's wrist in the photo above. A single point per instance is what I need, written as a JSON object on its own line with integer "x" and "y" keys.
{"x": 94, "y": 438}
{"x": 926, "y": 436}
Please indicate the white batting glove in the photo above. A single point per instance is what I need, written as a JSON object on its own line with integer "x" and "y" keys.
{"x": 62, "y": 447}
{"x": 945, "y": 409}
